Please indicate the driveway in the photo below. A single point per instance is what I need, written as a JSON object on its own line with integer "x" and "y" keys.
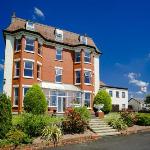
{"x": 140, "y": 141}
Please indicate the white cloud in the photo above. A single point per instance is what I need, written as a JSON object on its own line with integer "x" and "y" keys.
{"x": 132, "y": 79}
{"x": 38, "y": 12}
{"x": 1, "y": 67}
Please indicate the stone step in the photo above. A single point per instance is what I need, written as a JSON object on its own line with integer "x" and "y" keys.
{"x": 108, "y": 134}
{"x": 105, "y": 131}
{"x": 101, "y": 128}
{"x": 97, "y": 123}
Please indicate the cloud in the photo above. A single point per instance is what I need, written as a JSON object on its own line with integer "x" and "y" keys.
{"x": 38, "y": 13}
{"x": 132, "y": 79}
{"x": 1, "y": 67}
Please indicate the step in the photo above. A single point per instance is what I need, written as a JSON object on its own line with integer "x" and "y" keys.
{"x": 108, "y": 134}
{"x": 105, "y": 131}
{"x": 101, "y": 128}
{"x": 99, "y": 125}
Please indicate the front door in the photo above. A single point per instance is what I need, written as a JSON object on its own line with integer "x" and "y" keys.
{"x": 61, "y": 104}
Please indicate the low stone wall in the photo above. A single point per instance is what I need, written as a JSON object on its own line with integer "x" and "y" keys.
{"x": 73, "y": 139}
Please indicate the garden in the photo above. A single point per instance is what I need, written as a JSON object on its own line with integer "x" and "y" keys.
{"x": 35, "y": 122}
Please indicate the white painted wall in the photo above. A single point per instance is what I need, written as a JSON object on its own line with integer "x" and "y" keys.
{"x": 136, "y": 105}
{"x": 8, "y": 65}
{"x": 96, "y": 73}
{"x": 119, "y": 100}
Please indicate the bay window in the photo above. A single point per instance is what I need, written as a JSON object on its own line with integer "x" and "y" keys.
{"x": 17, "y": 69}
{"x": 58, "y": 54}
{"x": 18, "y": 45}
{"x": 77, "y": 57}
{"x": 87, "y": 99}
{"x": 87, "y": 77}
{"x": 38, "y": 71}
{"x": 77, "y": 76}
{"x": 87, "y": 57}
{"x": 16, "y": 96}
{"x": 29, "y": 44}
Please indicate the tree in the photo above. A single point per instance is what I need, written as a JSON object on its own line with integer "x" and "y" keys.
{"x": 147, "y": 100}
{"x": 102, "y": 97}
{"x": 35, "y": 101}
{"x": 5, "y": 115}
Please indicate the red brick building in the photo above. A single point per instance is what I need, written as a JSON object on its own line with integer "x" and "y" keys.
{"x": 64, "y": 64}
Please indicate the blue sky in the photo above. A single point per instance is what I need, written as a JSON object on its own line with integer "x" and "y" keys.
{"x": 120, "y": 28}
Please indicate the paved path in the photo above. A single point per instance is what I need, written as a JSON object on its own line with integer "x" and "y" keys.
{"x": 139, "y": 141}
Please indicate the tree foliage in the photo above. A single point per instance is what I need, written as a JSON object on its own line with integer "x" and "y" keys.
{"x": 103, "y": 97}
{"x": 35, "y": 101}
{"x": 5, "y": 115}
{"x": 147, "y": 100}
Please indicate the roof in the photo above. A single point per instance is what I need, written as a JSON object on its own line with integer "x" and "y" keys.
{"x": 55, "y": 86}
{"x": 102, "y": 83}
{"x": 48, "y": 33}
{"x": 113, "y": 87}
{"x": 138, "y": 100}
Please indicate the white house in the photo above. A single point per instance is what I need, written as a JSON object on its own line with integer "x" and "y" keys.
{"x": 119, "y": 95}
{"x": 137, "y": 104}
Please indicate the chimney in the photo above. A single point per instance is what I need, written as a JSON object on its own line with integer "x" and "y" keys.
{"x": 13, "y": 17}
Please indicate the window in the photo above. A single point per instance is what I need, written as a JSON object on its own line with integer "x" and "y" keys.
{"x": 17, "y": 68}
{"x": 87, "y": 99}
{"x": 58, "y": 75}
{"x": 59, "y": 54}
{"x": 117, "y": 94}
{"x": 78, "y": 74}
{"x": 53, "y": 98}
{"x": 38, "y": 71}
{"x": 123, "y": 94}
{"x": 77, "y": 56}
{"x": 29, "y": 44}
{"x": 16, "y": 96}
{"x": 111, "y": 93}
{"x": 25, "y": 89}
{"x": 83, "y": 40}
{"x": 18, "y": 45}
{"x": 78, "y": 97}
{"x": 87, "y": 56}
{"x": 58, "y": 35}
{"x": 28, "y": 68}
{"x": 39, "y": 49}
{"x": 87, "y": 76}
{"x": 123, "y": 106}
{"x": 29, "y": 25}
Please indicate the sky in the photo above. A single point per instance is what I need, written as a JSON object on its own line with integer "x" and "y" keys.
{"x": 120, "y": 29}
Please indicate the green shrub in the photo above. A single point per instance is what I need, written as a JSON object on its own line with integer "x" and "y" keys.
{"x": 102, "y": 97}
{"x": 143, "y": 119}
{"x": 117, "y": 123}
{"x": 129, "y": 118}
{"x": 4, "y": 143}
{"x": 73, "y": 123}
{"x": 52, "y": 133}
{"x": 34, "y": 124}
{"x": 84, "y": 113}
{"x": 35, "y": 101}
{"x": 17, "y": 137}
{"x": 5, "y": 115}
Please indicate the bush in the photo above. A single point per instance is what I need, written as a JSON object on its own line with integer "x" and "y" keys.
{"x": 129, "y": 118}
{"x": 17, "y": 137}
{"x": 35, "y": 101}
{"x": 33, "y": 124}
{"x": 4, "y": 143}
{"x": 143, "y": 119}
{"x": 52, "y": 133}
{"x": 103, "y": 97}
{"x": 5, "y": 115}
{"x": 117, "y": 123}
{"x": 84, "y": 113}
{"x": 73, "y": 123}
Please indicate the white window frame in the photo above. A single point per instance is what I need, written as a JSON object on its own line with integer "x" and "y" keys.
{"x": 14, "y": 87}
{"x": 76, "y": 76}
{"x": 83, "y": 40}
{"x": 89, "y": 57}
{"x": 15, "y": 61}
{"x": 61, "y": 50}
{"x": 123, "y": 95}
{"x": 56, "y": 69}
{"x": 110, "y": 91}
{"x": 89, "y": 99}
{"x": 40, "y": 71}
{"x": 76, "y": 57}
{"x": 30, "y": 60}
{"x": 30, "y": 38}
{"x": 86, "y": 70}
{"x": 40, "y": 48}
{"x": 16, "y": 50}
{"x": 29, "y": 26}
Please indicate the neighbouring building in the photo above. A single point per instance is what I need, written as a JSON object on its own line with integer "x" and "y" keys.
{"x": 137, "y": 104}
{"x": 119, "y": 95}
{"x": 64, "y": 64}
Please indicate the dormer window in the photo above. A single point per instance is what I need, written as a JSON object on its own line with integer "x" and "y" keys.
{"x": 30, "y": 25}
{"x": 83, "y": 40}
{"x": 58, "y": 35}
